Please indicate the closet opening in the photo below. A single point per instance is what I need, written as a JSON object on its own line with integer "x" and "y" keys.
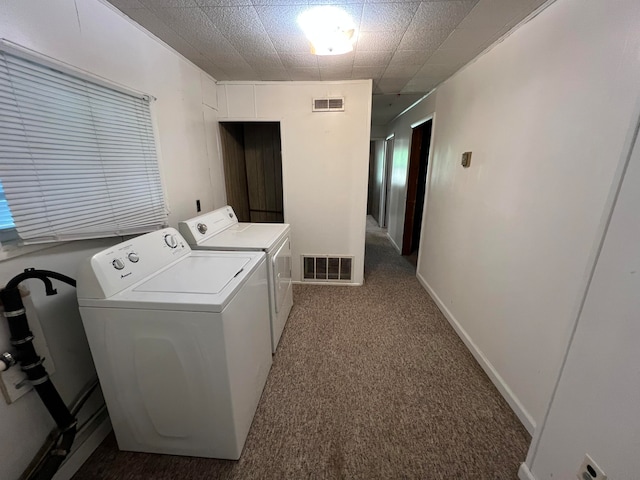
{"x": 252, "y": 159}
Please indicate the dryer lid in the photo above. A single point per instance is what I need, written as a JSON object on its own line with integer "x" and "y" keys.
{"x": 246, "y": 236}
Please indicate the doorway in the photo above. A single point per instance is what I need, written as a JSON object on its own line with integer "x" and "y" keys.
{"x": 416, "y": 188}
{"x": 386, "y": 189}
{"x": 252, "y": 159}
{"x": 380, "y": 156}
{"x": 373, "y": 195}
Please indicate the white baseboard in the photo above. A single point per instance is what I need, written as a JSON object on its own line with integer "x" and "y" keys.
{"x": 524, "y": 473}
{"x": 84, "y": 451}
{"x": 491, "y": 372}
{"x": 395, "y": 245}
{"x": 335, "y": 284}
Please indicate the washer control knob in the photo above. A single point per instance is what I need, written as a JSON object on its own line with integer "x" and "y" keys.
{"x": 202, "y": 228}
{"x": 133, "y": 257}
{"x": 171, "y": 240}
{"x": 118, "y": 264}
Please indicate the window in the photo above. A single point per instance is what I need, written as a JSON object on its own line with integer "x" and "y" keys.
{"x": 77, "y": 158}
{"x": 7, "y": 226}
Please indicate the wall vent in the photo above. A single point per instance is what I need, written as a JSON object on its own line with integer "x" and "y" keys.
{"x": 333, "y": 104}
{"x": 326, "y": 268}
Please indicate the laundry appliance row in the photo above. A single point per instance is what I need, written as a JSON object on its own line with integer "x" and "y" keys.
{"x": 182, "y": 339}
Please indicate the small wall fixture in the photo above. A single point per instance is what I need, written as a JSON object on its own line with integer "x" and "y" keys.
{"x": 330, "y": 30}
{"x": 466, "y": 159}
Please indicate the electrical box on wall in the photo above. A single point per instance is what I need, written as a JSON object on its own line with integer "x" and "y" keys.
{"x": 466, "y": 159}
{"x": 13, "y": 381}
{"x": 589, "y": 470}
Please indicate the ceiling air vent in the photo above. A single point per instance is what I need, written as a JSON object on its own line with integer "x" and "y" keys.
{"x": 334, "y": 104}
{"x": 327, "y": 269}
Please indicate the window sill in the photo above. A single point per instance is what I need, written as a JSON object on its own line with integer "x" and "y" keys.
{"x": 12, "y": 251}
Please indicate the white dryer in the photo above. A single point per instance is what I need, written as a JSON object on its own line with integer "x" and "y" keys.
{"x": 181, "y": 343}
{"x": 220, "y": 230}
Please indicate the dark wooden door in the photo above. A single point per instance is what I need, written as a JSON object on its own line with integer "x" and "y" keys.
{"x": 412, "y": 189}
{"x": 416, "y": 187}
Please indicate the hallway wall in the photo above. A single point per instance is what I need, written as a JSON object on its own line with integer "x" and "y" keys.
{"x": 509, "y": 241}
{"x": 401, "y": 128}
{"x": 603, "y": 360}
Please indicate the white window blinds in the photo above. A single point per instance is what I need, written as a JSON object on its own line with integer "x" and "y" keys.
{"x": 77, "y": 159}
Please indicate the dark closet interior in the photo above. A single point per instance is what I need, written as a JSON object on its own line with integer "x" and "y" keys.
{"x": 252, "y": 158}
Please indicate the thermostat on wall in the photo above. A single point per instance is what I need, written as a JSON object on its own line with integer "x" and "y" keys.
{"x": 466, "y": 159}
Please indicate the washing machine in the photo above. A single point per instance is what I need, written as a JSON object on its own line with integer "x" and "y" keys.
{"x": 180, "y": 341}
{"x": 220, "y": 230}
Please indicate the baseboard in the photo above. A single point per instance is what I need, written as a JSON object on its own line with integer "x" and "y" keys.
{"x": 395, "y": 245}
{"x": 335, "y": 284}
{"x": 486, "y": 365}
{"x": 84, "y": 451}
{"x": 524, "y": 473}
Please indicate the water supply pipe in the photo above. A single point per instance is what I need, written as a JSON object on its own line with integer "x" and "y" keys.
{"x": 32, "y": 365}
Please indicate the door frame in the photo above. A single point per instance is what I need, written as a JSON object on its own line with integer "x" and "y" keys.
{"x": 386, "y": 182}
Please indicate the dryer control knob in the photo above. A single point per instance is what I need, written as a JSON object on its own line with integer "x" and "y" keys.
{"x": 133, "y": 257}
{"x": 171, "y": 240}
{"x": 202, "y": 228}
{"x": 118, "y": 264}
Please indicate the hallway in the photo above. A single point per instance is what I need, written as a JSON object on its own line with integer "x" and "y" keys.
{"x": 368, "y": 382}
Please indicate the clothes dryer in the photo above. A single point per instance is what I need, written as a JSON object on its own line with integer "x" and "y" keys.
{"x": 220, "y": 230}
{"x": 180, "y": 341}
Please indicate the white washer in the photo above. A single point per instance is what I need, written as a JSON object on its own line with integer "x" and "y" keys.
{"x": 181, "y": 343}
{"x": 220, "y": 230}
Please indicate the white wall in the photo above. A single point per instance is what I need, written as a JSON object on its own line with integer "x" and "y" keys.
{"x": 401, "y": 129}
{"x": 325, "y": 159}
{"x": 509, "y": 241}
{"x": 595, "y": 408}
{"x": 94, "y": 37}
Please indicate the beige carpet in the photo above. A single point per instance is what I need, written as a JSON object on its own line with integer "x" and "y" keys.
{"x": 368, "y": 383}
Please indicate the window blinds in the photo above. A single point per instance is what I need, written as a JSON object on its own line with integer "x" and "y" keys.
{"x": 77, "y": 159}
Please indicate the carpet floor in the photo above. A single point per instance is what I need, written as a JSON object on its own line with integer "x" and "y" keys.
{"x": 368, "y": 382}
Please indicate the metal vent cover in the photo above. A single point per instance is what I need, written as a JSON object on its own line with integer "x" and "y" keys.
{"x": 327, "y": 268}
{"x": 329, "y": 104}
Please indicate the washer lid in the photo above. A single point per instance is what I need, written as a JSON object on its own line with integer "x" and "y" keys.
{"x": 246, "y": 236}
{"x": 196, "y": 274}
{"x": 202, "y": 281}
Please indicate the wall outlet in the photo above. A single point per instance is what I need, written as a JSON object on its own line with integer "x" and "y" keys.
{"x": 466, "y": 159}
{"x": 589, "y": 470}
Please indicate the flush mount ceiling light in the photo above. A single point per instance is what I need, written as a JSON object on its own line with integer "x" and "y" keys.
{"x": 330, "y": 30}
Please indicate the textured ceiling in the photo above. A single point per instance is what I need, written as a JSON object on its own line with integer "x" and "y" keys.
{"x": 406, "y": 47}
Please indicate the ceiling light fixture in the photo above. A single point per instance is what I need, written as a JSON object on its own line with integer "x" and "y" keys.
{"x": 330, "y": 30}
